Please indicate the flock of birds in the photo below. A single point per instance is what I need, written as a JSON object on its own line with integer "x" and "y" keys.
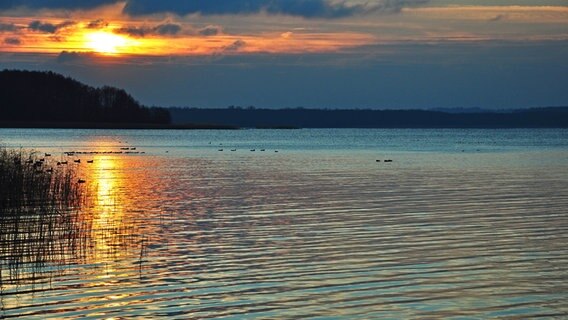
{"x": 124, "y": 150}
{"x": 262, "y": 150}
{"x": 43, "y": 164}
{"x": 252, "y": 150}
{"x": 234, "y": 149}
{"x": 40, "y": 164}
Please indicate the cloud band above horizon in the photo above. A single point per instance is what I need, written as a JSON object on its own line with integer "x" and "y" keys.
{"x": 300, "y": 8}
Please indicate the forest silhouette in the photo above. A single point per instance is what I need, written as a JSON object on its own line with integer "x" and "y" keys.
{"x": 34, "y": 96}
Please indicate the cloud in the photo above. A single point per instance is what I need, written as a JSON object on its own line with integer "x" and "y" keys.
{"x": 7, "y": 27}
{"x": 97, "y": 24}
{"x": 210, "y": 31}
{"x": 73, "y": 56}
{"x": 393, "y": 6}
{"x": 161, "y": 29}
{"x": 235, "y": 46}
{"x": 134, "y": 31}
{"x": 48, "y": 27}
{"x": 302, "y": 8}
{"x": 54, "y": 4}
{"x": 13, "y": 41}
{"x": 167, "y": 29}
{"x": 43, "y": 27}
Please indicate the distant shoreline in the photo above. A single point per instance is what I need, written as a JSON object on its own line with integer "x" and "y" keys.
{"x": 546, "y": 117}
{"x": 106, "y": 125}
{"x": 197, "y": 126}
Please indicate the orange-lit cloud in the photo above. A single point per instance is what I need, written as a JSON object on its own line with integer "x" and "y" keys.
{"x": 116, "y": 38}
{"x": 116, "y": 34}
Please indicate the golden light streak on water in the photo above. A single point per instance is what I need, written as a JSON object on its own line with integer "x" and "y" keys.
{"x": 107, "y": 213}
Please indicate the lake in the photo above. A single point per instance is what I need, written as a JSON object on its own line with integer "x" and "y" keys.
{"x": 462, "y": 224}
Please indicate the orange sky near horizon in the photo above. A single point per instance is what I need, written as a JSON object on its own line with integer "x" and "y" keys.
{"x": 116, "y": 34}
{"x": 110, "y": 41}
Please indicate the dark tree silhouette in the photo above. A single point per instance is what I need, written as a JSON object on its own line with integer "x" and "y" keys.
{"x": 32, "y": 96}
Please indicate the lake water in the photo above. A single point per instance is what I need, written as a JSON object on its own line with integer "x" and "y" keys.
{"x": 462, "y": 224}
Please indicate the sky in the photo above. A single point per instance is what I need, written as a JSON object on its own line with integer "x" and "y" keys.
{"x": 380, "y": 54}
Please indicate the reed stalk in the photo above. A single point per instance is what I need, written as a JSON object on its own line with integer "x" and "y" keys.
{"x": 40, "y": 218}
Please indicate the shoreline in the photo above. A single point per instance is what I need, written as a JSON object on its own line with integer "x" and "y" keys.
{"x": 212, "y": 126}
{"x": 107, "y": 125}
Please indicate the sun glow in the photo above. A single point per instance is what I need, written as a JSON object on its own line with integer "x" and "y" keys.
{"x": 106, "y": 43}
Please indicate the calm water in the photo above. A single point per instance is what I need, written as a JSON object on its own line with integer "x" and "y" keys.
{"x": 462, "y": 224}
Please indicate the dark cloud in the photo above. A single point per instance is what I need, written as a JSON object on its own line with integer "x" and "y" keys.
{"x": 49, "y": 27}
{"x": 167, "y": 29}
{"x": 134, "y": 31}
{"x": 13, "y": 41}
{"x": 97, "y": 24}
{"x": 162, "y": 29}
{"x": 7, "y": 27}
{"x": 210, "y": 31}
{"x": 43, "y": 27}
{"x": 235, "y": 46}
{"x": 54, "y": 4}
{"x": 66, "y": 24}
{"x": 392, "y": 5}
{"x": 73, "y": 56}
{"x": 302, "y": 8}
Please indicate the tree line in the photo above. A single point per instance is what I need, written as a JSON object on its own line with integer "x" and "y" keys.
{"x": 34, "y": 96}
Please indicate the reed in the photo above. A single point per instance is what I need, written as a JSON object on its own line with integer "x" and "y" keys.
{"x": 40, "y": 218}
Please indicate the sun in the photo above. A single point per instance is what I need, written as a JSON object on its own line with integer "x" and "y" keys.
{"x": 105, "y": 42}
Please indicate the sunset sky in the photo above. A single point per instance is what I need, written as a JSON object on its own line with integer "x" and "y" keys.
{"x": 312, "y": 53}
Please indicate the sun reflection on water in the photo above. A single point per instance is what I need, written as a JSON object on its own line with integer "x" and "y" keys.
{"x": 106, "y": 214}
{"x": 115, "y": 236}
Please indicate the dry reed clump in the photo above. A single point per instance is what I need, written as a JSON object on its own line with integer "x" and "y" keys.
{"x": 40, "y": 218}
